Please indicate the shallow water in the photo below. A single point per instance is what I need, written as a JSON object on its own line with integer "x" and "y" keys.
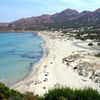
{"x": 18, "y": 52}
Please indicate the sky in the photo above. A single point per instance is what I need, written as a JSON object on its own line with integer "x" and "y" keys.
{"x": 11, "y": 10}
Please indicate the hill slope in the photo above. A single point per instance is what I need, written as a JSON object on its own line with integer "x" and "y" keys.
{"x": 68, "y": 18}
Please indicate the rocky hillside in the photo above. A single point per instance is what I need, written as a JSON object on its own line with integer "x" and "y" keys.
{"x": 66, "y": 19}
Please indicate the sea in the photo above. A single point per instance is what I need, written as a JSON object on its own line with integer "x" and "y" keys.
{"x": 18, "y": 53}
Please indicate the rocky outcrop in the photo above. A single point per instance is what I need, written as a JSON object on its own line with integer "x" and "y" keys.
{"x": 86, "y": 69}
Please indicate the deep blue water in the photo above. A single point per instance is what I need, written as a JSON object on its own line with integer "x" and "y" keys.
{"x": 18, "y": 52}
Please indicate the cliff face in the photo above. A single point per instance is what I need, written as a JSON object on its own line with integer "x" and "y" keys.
{"x": 67, "y": 18}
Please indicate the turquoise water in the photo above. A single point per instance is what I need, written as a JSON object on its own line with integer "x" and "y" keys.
{"x": 18, "y": 52}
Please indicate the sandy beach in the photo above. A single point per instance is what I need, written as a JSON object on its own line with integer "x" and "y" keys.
{"x": 53, "y": 70}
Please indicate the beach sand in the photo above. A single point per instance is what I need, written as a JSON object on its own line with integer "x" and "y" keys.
{"x": 50, "y": 71}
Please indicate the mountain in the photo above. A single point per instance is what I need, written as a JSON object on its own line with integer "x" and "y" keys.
{"x": 4, "y": 24}
{"x": 65, "y": 15}
{"x": 84, "y": 13}
{"x": 68, "y": 18}
{"x": 89, "y": 19}
{"x": 31, "y": 23}
{"x": 97, "y": 10}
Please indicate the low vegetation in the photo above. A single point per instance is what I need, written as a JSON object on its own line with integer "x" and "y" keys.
{"x": 90, "y": 44}
{"x": 98, "y": 44}
{"x": 62, "y": 93}
{"x": 70, "y": 94}
{"x": 97, "y": 55}
{"x": 88, "y": 34}
{"x": 92, "y": 34}
{"x": 9, "y": 94}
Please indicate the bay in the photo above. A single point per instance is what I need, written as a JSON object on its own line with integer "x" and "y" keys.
{"x": 18, "y": 53}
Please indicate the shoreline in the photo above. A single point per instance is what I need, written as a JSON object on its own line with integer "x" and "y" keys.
{"x": 34, "y": 67}
{"x": 28, "y": 67}
{"x": 31, "y": 67}
{"x": 50, "y": 72}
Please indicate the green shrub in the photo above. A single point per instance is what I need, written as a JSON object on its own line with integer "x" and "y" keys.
{"x": 70, "y": 94}
{"x": 30, "y": 96}
{"x": 98, "y": 44}
{"x": 86, "y": 94}
{"x": 62, "y": 93}
{"x": 97, "y": 55}
{"x": 9, "y": 94}
{"x": 57, "y": 93}
{"x": 90, "y": 44}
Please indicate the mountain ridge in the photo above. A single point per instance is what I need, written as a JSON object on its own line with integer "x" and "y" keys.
{"x": 68, "y": 18}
